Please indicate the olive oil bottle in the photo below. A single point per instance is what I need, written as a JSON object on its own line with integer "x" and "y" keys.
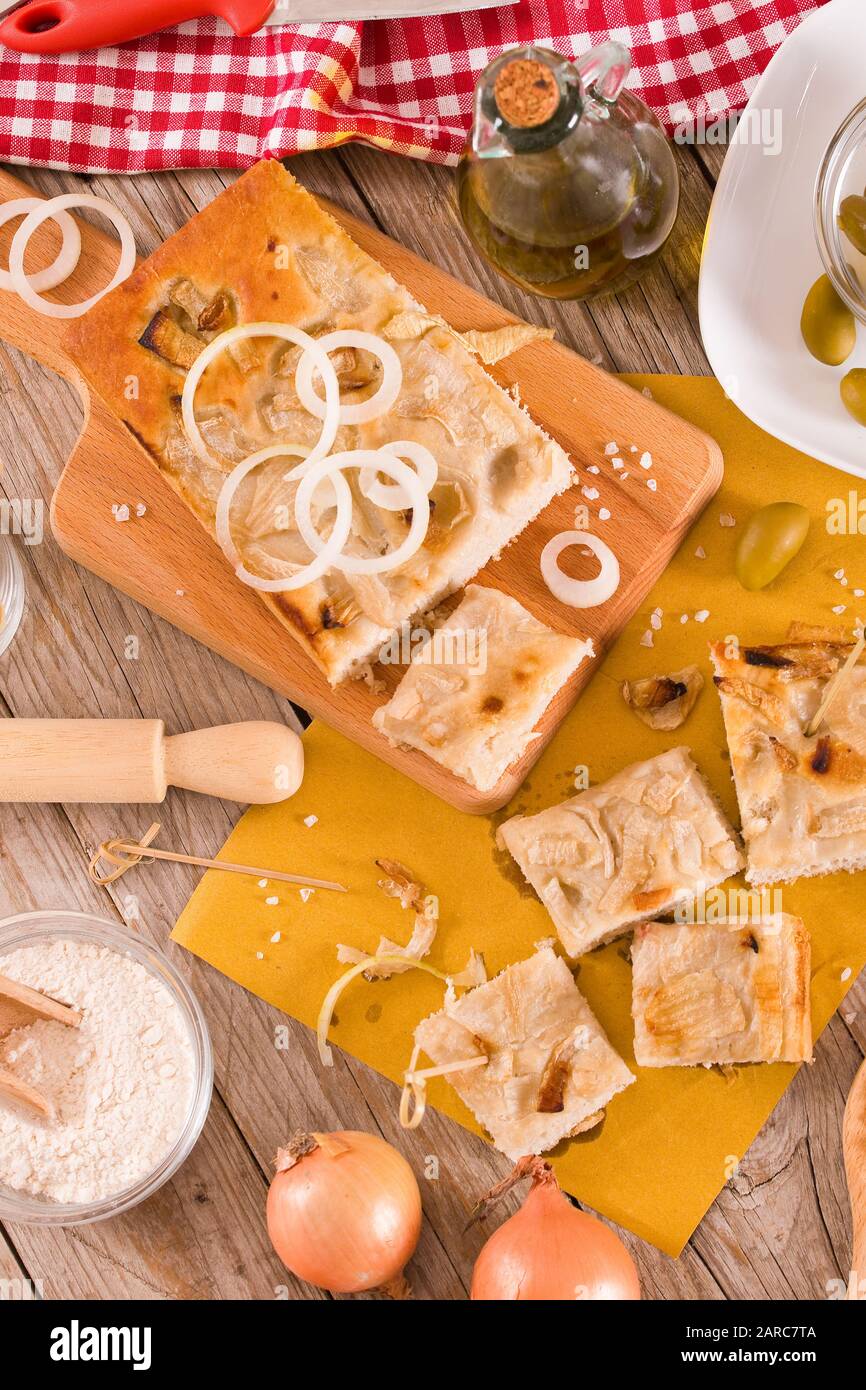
{"x": 568, "y": 184}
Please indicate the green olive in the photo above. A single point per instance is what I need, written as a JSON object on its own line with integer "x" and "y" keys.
{"x": 852, "y": 220}
{"x": 827, "y": 325}
{"x": 852, "y": 389}
{"x": 770, "y": 541}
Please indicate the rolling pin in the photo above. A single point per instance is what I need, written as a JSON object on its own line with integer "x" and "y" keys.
{"x": 132, "y": 760}
{"x": 854, "y": 1147}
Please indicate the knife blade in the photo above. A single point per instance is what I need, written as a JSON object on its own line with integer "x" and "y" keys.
{"x": 65, "y": 26}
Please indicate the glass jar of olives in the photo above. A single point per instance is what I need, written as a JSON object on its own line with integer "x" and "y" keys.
{"x": 837, "y": 301}
{"x": 840, "y": 211}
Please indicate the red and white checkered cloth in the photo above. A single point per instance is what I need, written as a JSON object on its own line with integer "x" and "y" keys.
{"x": 199, "y": 96}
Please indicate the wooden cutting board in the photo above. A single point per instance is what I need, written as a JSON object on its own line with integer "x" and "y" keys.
{"x": 166, "y": 561}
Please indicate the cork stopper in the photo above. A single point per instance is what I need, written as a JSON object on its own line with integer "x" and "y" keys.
{"x": 526, "y": 93}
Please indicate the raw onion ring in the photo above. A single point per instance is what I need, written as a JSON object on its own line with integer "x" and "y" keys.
{"x": 50, "y": 208}
{"x": 67, "y": 257}
{"x": 391, "y": 497}
{"x": 363, "y": 411}
{"x": 329, "y": 413}
{"x": 580, "y": 593}
{"x": 329, "y": 548}
{"x": 358, "y": 458}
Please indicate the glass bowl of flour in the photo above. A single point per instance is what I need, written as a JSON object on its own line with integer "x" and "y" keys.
{"x": 130, "y": 1087}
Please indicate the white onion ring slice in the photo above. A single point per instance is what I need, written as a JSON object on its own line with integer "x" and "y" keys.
{"x": 288, "y": 334}
{"x": 51, "y": 207}
{"x": 391, "y": 497}
{"x": 327, "y": 549}
{"x": 361, "y": 458}
{"x": 363, "y": 411}
{"x": 580, "y": 593}
{"x": 67, "y": 257}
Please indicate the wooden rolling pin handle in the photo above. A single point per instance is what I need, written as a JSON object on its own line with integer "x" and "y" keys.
{"x": 130, "y": 760}
{"x": 257, "y": 763}
{"x": 854, "y": 1146}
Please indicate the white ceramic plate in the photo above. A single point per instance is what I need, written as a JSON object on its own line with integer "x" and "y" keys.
{"x": 760, "y": 255}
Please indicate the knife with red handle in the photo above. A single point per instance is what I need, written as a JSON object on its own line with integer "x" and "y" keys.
{"x": 64, "y": 26}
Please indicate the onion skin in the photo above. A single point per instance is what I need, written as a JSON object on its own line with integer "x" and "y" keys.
{"x": 344, "y": 1212}
{"x": 551, "y": 1251}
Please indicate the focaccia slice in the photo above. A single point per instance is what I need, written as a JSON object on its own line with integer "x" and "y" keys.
{"x": 632, "y": 848}
{"x": 721, "y": 992}
{"x": 265, "y": 250}
{"x": 477, "y": 687}
{"x": 551, "y": 1070}
{"x": 802, "y": 797}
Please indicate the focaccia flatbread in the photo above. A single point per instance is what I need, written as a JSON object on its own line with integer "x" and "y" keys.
{"x": 721, "y": 992}
{"x": 262, "y": 251}
{"x": 802, "y": 798}
{"x": 629, "y": 849}
{"x": 478, "y": 686}
{"x": 551, "y": 1070}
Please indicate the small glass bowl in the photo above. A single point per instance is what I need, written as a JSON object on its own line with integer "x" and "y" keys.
{"x": 30, "y": 927}
{"x": 842, "y": 172}
{"x": 11, "y": 592}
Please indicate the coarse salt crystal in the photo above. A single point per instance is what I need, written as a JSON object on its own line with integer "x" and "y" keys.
{"x": 593, "y": 468}
{"x": 311, "y": 820}
{"x": 603, "y": 514}
{"x": 611, "y": 448}
{"x": 840, "y": 574}
{"x": 590, "y": 493}
{"x": 181, "y": 593}
{"x": 120, "y": 511}
{"x": 306, "y": 894}
{"x": 632, "y": 448}
{"x": 647, "y": 639}
{"x": 684, "y": 617}
{"x": 700, "y": 553}
{"x": 646, "y": 460}
{"x": 648, "y": 393}
{"x": 651, "y": 484}
{"x": 263, "y": 883}
{"x": 260, "y": 955}
{"x": 617, "y": 464}
{"x": 844, "y": 583}
{"x": 702, "y": 615}
{"x": 725, "y": 519}
{"x": 858, "y": 593}
{"x": 839, "y": 607}
{"x": 275, "y": 938}
{"x": 272, "y": 902}
{"x": 140, "y": 509}
{"x": 846, "y": 974}
{"x": 656, "y": 620}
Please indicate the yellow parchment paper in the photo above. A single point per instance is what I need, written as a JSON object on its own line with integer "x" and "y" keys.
{"x": 667, "y": 1145}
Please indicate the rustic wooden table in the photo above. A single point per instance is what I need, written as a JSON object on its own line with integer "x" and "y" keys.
{"x": 780, "y": 1229}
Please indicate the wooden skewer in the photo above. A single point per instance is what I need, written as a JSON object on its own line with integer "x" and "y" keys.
{"x": 854, "y": 1146}
{"x": 113, "y": 850}
{"x": 19, "y": 1007}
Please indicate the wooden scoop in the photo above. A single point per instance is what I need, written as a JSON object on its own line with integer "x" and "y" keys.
{"x": 854, "y": 1147}
{"x": 19, "y": 1007}
{"x": 131, "y": 760}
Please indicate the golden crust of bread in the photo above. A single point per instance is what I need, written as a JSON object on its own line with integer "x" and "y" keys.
{"x": 650, "y": 837}
{"x": 265, "y": 250}
{"x": 474, "y": 692}
{"x": 802, "y": 796}
{"x": 721, "y": 992}
{"x": 551, "y": 1070}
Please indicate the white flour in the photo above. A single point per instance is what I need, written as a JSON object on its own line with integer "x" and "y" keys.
{"x": 121, "y": 1083}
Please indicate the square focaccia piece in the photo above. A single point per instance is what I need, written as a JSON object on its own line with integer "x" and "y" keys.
{"x": 477, "y": 687}
{"x": 721, "y": 992}
{"x": 550, "y": 1070}
{"x": 650, "y": 837}
{"x": 266, "y": 251}
{"x": 802, "y": 794}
